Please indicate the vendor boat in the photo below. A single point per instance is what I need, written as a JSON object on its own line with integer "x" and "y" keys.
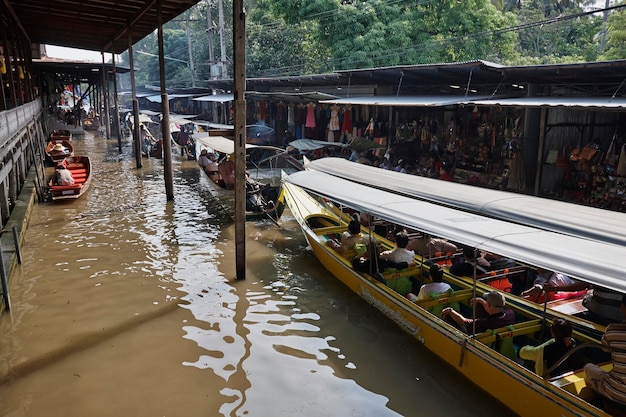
{"x": 58, "y": 150}
{"x": 263, "y": 200}
{"x": 487, "y": 359}
{"x": 80, "y": 167}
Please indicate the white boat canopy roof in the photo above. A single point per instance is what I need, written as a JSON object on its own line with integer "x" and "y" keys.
{"x": 594, "y": 262}
{"x": 226, "y": 145}
{"x": 313, "y": 144}
{"x": 558, "y": 216}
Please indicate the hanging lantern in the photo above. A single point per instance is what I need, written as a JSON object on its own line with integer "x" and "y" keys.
{"x": 3, "y": 68}
{"x": 21, "y": 73}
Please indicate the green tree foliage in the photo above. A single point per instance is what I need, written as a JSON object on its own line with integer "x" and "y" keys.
{"x": 556, "y": 40}
{"x": 616, "y": 36}
{"x": 294, "y": 37}
{"x": 274, "y": 47}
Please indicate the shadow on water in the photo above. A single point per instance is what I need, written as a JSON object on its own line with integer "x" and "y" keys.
{"x": 125, "y": 304}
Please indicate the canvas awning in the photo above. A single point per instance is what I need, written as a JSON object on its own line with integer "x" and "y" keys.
{"x": 412, "y": 101}
{"x": 216, "y": 98}
{"x": 618, "y": 103}
{"x": 591, "y": 261}
{"x": 586, "y": 222}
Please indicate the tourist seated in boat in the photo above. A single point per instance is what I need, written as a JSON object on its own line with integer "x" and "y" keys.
{"x": 400, "y": 253}
{"x": 490, "y": 314}
{"x": 551, "y": 282}
{"x": 492, "y": 261}
{"x": 436, "y": 286}
{"x": 611, "y": 384}
{"x": 547, "y": 354}
{"x": 465, "y": 268}
{"x": 429, "y": 246}
{"x": 353, "y": 236}
{"x": 603, "y": 305}
{"x": 62, "y": 176}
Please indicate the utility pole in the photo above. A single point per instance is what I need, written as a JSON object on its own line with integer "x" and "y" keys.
{"x": 223, "y": 69}
{"x": 210, "y": 29}
{"x": 191, "y": 68}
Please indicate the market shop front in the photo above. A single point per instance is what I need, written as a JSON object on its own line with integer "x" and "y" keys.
{"x": 516, "y": 128}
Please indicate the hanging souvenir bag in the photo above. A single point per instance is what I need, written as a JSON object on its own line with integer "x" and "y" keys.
{"x": 621, "y": 164}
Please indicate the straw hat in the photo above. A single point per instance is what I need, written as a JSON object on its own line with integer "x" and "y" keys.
{"x": 58, "y": 147}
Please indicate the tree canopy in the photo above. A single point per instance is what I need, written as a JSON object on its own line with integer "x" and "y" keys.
{"x": 296, "y": 37}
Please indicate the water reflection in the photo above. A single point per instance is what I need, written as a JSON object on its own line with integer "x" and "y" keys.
{"x": 126, "y": 305}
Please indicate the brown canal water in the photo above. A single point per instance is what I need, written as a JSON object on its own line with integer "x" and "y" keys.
{"x": 125, "y": 305}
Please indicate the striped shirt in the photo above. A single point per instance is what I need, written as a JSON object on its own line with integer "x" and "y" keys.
{"x": 615, "y": 380}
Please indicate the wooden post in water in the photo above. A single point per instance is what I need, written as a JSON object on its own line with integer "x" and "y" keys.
{"x": 136, "y": 131}
{"x": 165, "y": 121}
{"x": 239, "y": 79}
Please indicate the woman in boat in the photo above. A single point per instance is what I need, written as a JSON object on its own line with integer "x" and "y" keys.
{"x": 62, "y": 176}
{"x": 204, "y": 160}
{"x": 547, "y": 354}
{"x": 492, "y": 316}
{"x": 212, "y": 169}
{"x": 436, "y": 286}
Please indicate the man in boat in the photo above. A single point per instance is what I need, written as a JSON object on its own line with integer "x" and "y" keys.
{"x": 467, "y": 266}
{"x": 436, "y": 286}
{"x": 62, "y": 176}
{"x": 548, "y": 281}
{"x": 611, "y": 384}
{"x": 400, "y": 253}
{"x": 490, "y": 314}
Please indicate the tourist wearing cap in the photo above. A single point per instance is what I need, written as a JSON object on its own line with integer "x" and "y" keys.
{"x": 492, "y": 316}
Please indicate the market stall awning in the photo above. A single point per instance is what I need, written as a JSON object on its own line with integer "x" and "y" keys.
{"x": 157, "y": 98}
{"x": 216, "y": 98}
{"x": 413, "y": 101}
{"x": 290, "y": 96}
{"x": 584, "y": 102}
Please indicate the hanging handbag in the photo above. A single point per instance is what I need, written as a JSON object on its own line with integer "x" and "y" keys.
{"x": 621, "y": 164}
{"x": 553, "y": 154}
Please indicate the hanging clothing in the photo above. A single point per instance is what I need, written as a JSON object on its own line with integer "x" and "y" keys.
{"x": 334, "y": 118}
{"x": 310, "y": 115}
{"x": 347, "y": 120}
{"x": 290, "y": 114}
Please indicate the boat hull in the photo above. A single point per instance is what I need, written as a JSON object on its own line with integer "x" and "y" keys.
{"x": 518, "y": 388}
{"x": 80, "y": 167}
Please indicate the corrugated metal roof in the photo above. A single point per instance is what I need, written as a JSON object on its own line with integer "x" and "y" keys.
{"x": 103, "y": 25}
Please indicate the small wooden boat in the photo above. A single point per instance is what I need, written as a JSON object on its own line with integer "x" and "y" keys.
{"x": 60, "y": 134}
{"x": 80, "y": 168}
{"x": 91, "y": 123}
{"x": 59, "y": 149}
{"x": 263, "y": 200}
{"x": 488, "y": 359}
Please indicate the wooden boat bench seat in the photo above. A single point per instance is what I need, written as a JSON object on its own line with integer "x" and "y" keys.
{"x": 502, "y": 339}
{"x": 574, "y": 382}
{"x": 461, "y": 296}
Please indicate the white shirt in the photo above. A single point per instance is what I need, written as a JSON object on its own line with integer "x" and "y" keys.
{"x": 433, "y": 287}
{"x": 398, "y": 255}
